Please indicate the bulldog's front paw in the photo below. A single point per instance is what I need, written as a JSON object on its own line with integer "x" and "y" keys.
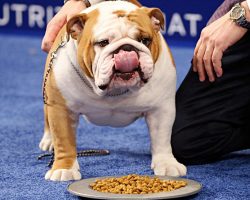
{"x": 168, "y": 167}
{"x": 46, "y": 142}
{"x": 64, "y": 174}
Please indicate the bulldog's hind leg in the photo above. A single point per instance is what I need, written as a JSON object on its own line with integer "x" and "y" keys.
{"x": 46, "y": 143}
{"x": 62, "y": 124}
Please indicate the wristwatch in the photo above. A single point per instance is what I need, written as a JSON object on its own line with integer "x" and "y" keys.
{"x": 237, "y": 14}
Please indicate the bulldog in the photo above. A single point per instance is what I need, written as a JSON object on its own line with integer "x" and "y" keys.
{"x": 115, "y": 68}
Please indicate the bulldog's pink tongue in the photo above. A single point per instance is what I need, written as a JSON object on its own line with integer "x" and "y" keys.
{"x": 126, "y": 61}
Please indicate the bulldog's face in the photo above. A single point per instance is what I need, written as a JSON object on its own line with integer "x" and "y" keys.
{"x": 118, "y": 44}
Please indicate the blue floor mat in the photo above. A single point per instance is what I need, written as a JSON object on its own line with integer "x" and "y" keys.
{"x": 21, "y": 127}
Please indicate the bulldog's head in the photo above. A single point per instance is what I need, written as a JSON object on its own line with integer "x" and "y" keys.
{"x": 118, "y": 44}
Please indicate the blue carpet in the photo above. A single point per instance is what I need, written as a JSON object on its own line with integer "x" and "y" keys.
{"x": 21, "y": 127}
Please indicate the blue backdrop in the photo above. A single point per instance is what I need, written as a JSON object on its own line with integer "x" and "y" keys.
{"x": 185, "y": 19}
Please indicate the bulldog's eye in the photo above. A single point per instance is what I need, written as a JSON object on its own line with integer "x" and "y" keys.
{"x": 102, "y": 43}
{"x": 146, "y": 41}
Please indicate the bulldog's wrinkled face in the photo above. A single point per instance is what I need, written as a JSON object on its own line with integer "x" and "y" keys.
{"x": 118, "y": 44}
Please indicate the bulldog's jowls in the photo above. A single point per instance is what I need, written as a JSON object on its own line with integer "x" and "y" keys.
{"x": 115, "y": 68}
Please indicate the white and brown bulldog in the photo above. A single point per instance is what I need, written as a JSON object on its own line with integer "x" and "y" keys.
{"x": 115, "y": 68}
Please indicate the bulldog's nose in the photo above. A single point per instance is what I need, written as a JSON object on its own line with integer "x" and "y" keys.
{"x": 127, "y": 47}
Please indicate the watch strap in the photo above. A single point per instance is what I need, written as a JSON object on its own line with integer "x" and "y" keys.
{"x": 243, "y": 22}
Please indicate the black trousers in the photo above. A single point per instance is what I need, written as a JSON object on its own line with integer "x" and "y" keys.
{"x": 213, "y": 119}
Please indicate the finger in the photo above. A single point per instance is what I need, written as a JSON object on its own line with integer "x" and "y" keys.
{"x": 216, "y": 61}
{"x": 53, "y": 27}
{"x": 79, "y": 6}
{"x": 46, "y": 45}
{"x": 207, "y": 60}
{"x": 199, "y": 62}
{"x": 195, "y": 54}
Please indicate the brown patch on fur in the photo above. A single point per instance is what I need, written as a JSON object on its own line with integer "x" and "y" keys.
{"x": 85, "y": 52}
{"x": 120, "y": 13}
{"x": 60, "y": 121}
{"x": 171, "y": 55}
{"x": 75, "y": 26}
{"x": 46, "y": 121}
{"x": 57, "y": 118}
{"x": 142, "y": 19}
{"x": 156, "y": 13}
{"x": 62, "y": 33}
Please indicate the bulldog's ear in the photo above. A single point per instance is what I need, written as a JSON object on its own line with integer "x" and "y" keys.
{"x": 75, "y": 25}
{"x": 157, "y": 18}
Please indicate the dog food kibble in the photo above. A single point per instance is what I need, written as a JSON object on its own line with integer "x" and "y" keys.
{"x": 135, "y": 184}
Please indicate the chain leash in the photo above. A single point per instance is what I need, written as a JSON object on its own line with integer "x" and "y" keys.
{"x": 53, "y": 55}
{"x": 92, "y": 152}
{"x": 83, "y": 153}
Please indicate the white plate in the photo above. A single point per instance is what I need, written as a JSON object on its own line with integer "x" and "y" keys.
{"x": 81, "y": 188}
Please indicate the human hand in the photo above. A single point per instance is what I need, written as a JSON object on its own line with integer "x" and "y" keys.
{"x": 214, "y": 40}
{"x": 69, "y": 9}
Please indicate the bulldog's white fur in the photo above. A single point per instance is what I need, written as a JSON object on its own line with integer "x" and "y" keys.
{"x": 122, "y": 102}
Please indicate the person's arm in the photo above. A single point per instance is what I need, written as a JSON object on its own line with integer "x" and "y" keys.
{"x": 214, "y": 40}
{"x": 57, "y": 22}
{"x": 70, "y": 8}
{"x": 88, "y": 3}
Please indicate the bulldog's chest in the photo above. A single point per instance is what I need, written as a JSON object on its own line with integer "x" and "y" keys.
{"x": 109, "y": 117}
{"x": 111, "y": 111}
{"x": 81, "y": 99}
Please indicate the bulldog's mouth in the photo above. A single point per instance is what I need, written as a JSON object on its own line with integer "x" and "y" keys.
{"x": 126, "y": 66}
{"x": 128, "y": 75}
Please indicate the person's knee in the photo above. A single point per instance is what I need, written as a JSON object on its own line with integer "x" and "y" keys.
{"x": 188, "y": 150}
{"x": 201, "y": 144}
